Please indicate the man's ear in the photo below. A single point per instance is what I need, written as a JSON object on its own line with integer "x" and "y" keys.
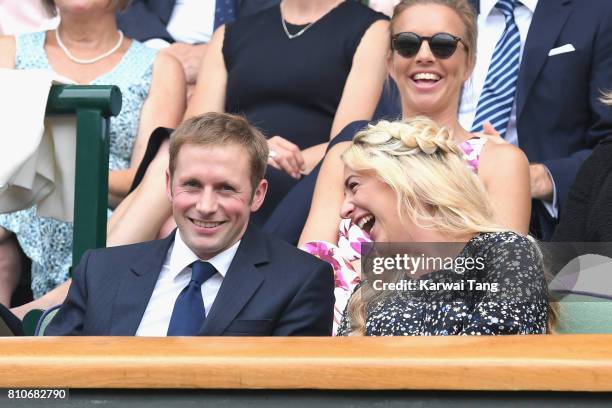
{"x": 168, "y": 185}
{"x": 259, "y": 194}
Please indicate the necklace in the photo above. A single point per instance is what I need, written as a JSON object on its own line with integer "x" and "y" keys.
{"x": 88, "y": 61}
{"x": 292, "y": 36}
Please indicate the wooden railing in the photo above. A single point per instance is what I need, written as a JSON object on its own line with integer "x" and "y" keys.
{"x": 551, "y": 362}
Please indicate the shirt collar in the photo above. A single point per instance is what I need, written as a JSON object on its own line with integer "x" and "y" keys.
{"x": 486, "y": 6}
{"x": 181, "y": 257}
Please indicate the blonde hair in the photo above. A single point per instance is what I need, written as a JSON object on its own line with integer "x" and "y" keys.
{"x": 607, "y": 98}
{"x": 433, "y": 183}
{"x": 444, "y": 194}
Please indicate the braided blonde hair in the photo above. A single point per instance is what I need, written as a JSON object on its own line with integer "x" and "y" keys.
{"x": 434, "y": 185}
{"x": 424, "y": 166}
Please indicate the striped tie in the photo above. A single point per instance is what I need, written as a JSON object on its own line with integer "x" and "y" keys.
{"x": 497, "y": 98}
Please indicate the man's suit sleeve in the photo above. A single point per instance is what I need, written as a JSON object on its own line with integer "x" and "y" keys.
{"x": 311, "y": 311}
{"x": 70, "y": 318}
{"x": 141, "y": 23}
{"x": 564, "y": 170}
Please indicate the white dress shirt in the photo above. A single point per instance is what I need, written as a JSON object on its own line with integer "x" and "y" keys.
{"x": 191, "y": 22}
{"x": 491, "y": 25}
{"x": 175, "y": 275}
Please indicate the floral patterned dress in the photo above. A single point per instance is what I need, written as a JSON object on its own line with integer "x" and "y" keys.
{"x": 517, "y": 305}
{"x": 351, "y": 238}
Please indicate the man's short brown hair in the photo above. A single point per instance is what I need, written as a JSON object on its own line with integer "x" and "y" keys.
{"x": 221, "y": 129}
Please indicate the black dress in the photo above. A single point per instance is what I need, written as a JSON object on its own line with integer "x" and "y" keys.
{"x": 517, "y": 305}
{"x": 291, "y": 88}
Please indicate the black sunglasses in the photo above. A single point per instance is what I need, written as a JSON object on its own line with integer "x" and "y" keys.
{"x": 442, "y": 45}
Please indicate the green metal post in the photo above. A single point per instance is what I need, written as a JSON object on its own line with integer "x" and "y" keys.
{"x": 70, "y": 98}
{"x": 91, "y": 182}
{"x": 93, "y": 106}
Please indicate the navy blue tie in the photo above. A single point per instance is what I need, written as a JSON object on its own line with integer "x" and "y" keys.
{"x": 189, "y": 314}
{"x": 225, "y": 12}
{"x": 497, "y": 97}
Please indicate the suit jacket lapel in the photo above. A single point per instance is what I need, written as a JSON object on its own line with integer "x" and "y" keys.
{"x": 240, "y": 283}
{"x": 547, "y": 22}
{"x": 136, "y": 287}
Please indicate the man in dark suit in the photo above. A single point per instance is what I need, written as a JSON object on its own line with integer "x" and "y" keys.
{"x": 566, "y": 63}
{"x": 216, "y": 275}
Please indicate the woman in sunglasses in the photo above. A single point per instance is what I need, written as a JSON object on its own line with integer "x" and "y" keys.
{"x": 433, "y": 53}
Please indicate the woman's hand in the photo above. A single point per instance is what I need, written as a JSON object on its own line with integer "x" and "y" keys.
{"x": 285, "y": 156}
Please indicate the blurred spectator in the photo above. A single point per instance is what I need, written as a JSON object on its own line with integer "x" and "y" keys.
{"x": 587, "y": 214}
{"x": 183, "y": 27}
{"x": 88, "y": 49}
